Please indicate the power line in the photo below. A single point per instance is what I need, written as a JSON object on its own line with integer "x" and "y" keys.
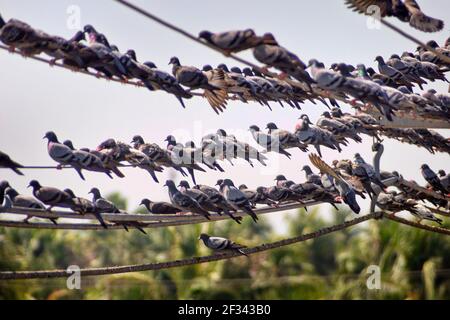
{"x": 4, "y": 275}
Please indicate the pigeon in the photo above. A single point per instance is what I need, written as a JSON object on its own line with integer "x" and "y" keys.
{"x": 311, "y": 177}
{"x": 234, "y": 41}
{"x": 268, "y": 141}
{"x": 218, "y": 200}
{"x": 62, "y": 153}
{"x": 205, "y": 157}
{"x": 425, "y": 69}
{"x": 196, "y": 79}
{"x": 159, "y": 207}
{"x": 336, "y": 127}
{"x": 220, "y": 244}
{"x": 199, "y": 196}
{"x": 51, "y": 196}
{"x": 184, "y": 202}
{"x": 421, "y": 212}
{"x": 182, "y": 157}
{"x": 392, "y": 73}
{"x": 59, "y": 48}
{"x": 23, "y": 201}
{"x": 7, "y": 162}
{"x": 256, "y": 197}
{"x": 346, "y": 191}
{"x": 101, "y": 204}
{"x": 354, "y": 122}
{"x": 394, "y": 202}
{"x": 445, "y": 179}
{"x": 287, "y": 139}
{"x": 371, "y": 174}
{"x": 236, "y": 198}
{"x": 409, "y": 71}
{"x": 87, "y": 160}
{"x": 406, "y": 11}
{"x": 431, "y": 177}
{"x": 3, "y": 186}
{"x": 308, "y": 134}
{"x": 84, "y": 206}
{"x": 107, "y": 161}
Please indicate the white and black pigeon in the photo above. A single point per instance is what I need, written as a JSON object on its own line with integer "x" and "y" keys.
{"x": 159, "y": 207}
{"x": 24, "y": 201}
{"x": 346, "y": 191}
{"x": 221, "y": 244}
{"x": 309, "y": 134}
{"x": 7, "y": 162}
{"x": 236, "y": 198}
{"x": 195, "y": 78}
{"x": 431, "y": 177}
{"x": 445, "y": 179}
{"x": 184, "y": 202}
{"x": 233, "y": 41}
{"x": 287, "y": 139}
{"x": 3, "y": 186}
{"x": 84, "y": 206}
{"x": 87, "y": 160}
{"x": 53, "y": 197}
{"x": 406, "y": 11}
{"x": 267, "y": 141}
{"x": 61, "y": 153}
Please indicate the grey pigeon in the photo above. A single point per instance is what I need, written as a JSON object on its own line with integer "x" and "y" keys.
{"x": 7, "y": 162}
{"x": 107, "y": 161}
{"x": 159, "y": 207}
{"x": 236, "y": 198}
{"x": 3, "y": 186}
{"x": 184, "y": 202}
{"x": 406, "y": 11}
{"x": 199, "y": 196}
{"x": 431, "y": 177}
{"x": 83, "y": 206}
{"x": 220, "y": 244}
{"x": 445, "y": 179}
{"x": 336, "y": 127}
{"x": 392, "y": 73}
{"x": 311, "y": 177}
{"x": 61, "y": 153}
{"x": 268, "y": 141}
{"x": 101, "y": 204}
{"x": 51, "y": 196}
{"x": 287, "y": 139}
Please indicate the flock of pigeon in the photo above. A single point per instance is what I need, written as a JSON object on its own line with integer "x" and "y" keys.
{"x": 388, "y": 91}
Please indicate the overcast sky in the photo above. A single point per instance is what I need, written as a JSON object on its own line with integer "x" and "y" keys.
{"x": 36, "y": 98}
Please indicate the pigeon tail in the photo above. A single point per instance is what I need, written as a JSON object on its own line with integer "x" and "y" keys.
{"x": 152, "y": 173}
{"x": 20, "y": 173}
{"x": 191, "y": 172}
{"x": 117, "y": 172}
{"x": 100, "y": 219}
{"x": 2, "y": 22}
{"x": 78, "y": 170}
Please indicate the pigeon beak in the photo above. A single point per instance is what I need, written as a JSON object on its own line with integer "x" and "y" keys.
{"x": 29, "y": 186}
{"x": 99, "y": 149}
{"x": 165, "y": 185}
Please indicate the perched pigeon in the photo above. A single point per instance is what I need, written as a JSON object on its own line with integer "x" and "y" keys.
{"x": 236, "y": 198}
{"x": 371, "y": 174}
{"x": 445, "y": 179}
{"x": 101, "y": 204}
{"x": 62, "y": 153}
{"x": 159, "y": 207}
{"x": 406, "y": 11}
{"x": 220, "y": 244}
{"x": 256, "y": 197}
{"x": 268, "y": 141}
{"x": 346, "y": 191}
{"x": 336, "y": 127}
{"x": 107, "y": 161}
{"x": 3, "y": 186}
{"x": 202, "y": 198}
{"x": 286, "y": 138}
{"x": 7, "y": 162}
{"x": 184, "y": 202}
{"x": 431, "y": 177}
{"x": 234, "y": 41}
{"x": 50, "y": 196}
{"x": 311, "y": 177}
{"x": 83, "y": 206}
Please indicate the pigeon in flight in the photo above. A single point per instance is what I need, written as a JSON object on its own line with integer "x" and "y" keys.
{"x": 221, "y": 244}
{"x": 7, "y": 162}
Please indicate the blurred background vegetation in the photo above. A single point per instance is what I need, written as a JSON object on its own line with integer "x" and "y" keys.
{"x": 415, "y": 264}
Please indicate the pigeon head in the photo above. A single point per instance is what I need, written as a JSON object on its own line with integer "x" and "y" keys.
{"x": 395, "y": 173}
{"x": 424, "y": 167}
{"x": 261, "y": 190}
{"x": 205, "y": 35}
{"x": 219, "y": 182}
{"x": 145, "y": 202}
{"x": 395, "y": 56}
{"x": 69, "y": 144}
{"x": 51, "y": 136}
{"x": 221, "y": 132}
{"x": 170, "y": 184}
{"x": 243, "y": 187}
{"x": 315, "y": 63}
{"x": 357, "y": 155}
{"x": 280, "y": 177}
{"x": 34, "y": 184}
{"x": 370, "y": 71}
{"x": 336, "y": 112}
{"x": 433, "y": 44}
{"x": 4, "y": 184}
{"x": 184, "y": 184}
{"x": 334, "y": 66}
{"x": 171, "y": 141}
{"x": 227, "y": 182}
{"x": 305, "y": 118}
{"x": 441, "y": 173}
{"x": 236, "y": 70}
{"x": 78, "y": 36}
{"x": 254, "y": 128}
{"x": 69, "y": 192}
{"x": 175, "y": 61}
{"x": 132, "y": 54}
{"x": 257, "y": 73}
{"x": 269, "y": 39}
{"x": 379, "y": 59}
{"x": 327, "y": 115}
{"x": 114, "y": 47}
{"x": 224, "y": 67}
{"x": 207, "y": 67}
{"x": 247, "y": 71}
{"x": 271, "y": 126}
{"x": 11, "y": 193}
{"x": 203, "y": 237}
{"x": 343, "y": 68}
{"x": 307, "y": 169}
{"x": 432, "y": 91}
{"x": 107, "y": 144}
{"x": 89, "y": 29}
{"x": 150, "y": 64}
{"x": 137, "y": 140}
{"x": 407, "y": 54}
{"x": 95, "y": 192}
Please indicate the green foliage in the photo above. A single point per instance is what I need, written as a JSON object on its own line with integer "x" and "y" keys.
{"x": 414, "y": 264}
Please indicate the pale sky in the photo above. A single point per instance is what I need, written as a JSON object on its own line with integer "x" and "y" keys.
{"x": 36, "y": 98}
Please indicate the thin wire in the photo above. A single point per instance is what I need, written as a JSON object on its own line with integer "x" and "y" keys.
{"x": 4, "y": 275}
{"x": 417, "y": 225}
